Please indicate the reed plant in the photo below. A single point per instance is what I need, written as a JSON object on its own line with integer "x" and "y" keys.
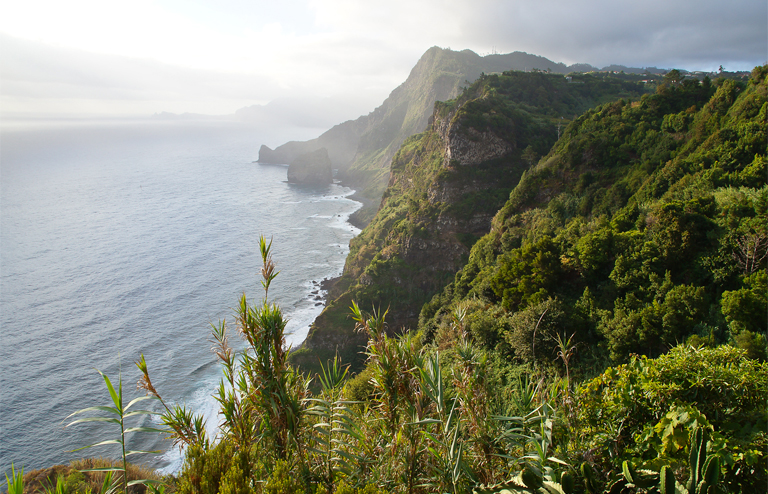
{"x": 184, "y": 427}
{"x": 117, "y": 415}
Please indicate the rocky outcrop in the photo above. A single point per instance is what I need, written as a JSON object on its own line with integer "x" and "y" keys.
{"x": 466, "y": 145}
{"x": 362, "y": 149}
{"x": 311, "y": 168}
{"x": 439, "y": 252}
{"x": 472, "y": 147}
{"x": 340, "y": 142}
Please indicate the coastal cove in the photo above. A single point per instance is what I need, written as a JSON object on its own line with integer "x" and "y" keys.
{"x": 127, "y": 238}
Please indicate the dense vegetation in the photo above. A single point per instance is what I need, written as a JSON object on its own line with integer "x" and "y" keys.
{"x": 433, "y": 211}
{"x": 644, "y": 226}
{"x": 606, "y": 333}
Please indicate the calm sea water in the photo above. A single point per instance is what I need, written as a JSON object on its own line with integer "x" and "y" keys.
{"x": 127, "y": 238}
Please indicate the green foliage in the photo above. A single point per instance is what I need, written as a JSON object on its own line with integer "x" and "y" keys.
{"x": 434, "y": 211}
{"x": 541, "y": 472}
{"x": 283, "y": 480}
{"x": 59, "y": 488}
{"x": 220, "y": 468}
{"x": 652, "y": 328}
{"x": 648, "y": 207}
{"x": 532, "y": 332}
{"x": 15, "y": 484}
{"x": 745, "y": 309}
{"x": 186, "y": 427}
{"x": 524, "y": 275}
{"x": 642, "y": 226}
{"x": 703, "y": 471}
{"x": 646, "y": 409}
{"x": 117, "y": 415}
{"x": 344, "y": 488}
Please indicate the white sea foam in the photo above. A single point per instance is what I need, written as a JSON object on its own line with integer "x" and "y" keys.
{"x": 300, "y": 314}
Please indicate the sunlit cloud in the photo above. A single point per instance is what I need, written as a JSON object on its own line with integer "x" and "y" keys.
{"x": 215, "y": 57}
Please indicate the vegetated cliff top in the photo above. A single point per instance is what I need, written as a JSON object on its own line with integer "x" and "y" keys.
{"x": 640, "y": 229}
{"x": 445, "y": 186}
{"x": 624, "y": 213}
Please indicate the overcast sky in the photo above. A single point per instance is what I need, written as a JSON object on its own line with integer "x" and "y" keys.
{"x": 216, "y": 56}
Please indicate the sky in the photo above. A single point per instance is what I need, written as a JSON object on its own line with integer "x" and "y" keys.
{"x": 336, "y": 59}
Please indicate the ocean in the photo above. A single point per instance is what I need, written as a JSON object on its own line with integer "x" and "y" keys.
{"x": 125, "y": 238}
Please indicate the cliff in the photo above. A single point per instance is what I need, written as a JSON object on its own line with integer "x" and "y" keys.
{"x": 445, "y": 186}
{"x": 633, "y": 234}
{"x": 340, "y": 142}
{"x": 362, "y": 149}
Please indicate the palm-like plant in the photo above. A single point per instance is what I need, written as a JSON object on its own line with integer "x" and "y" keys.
{"x": 448, "y": 468}
{"x": 336, "y": 428}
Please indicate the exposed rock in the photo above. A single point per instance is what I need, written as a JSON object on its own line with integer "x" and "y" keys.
{"x": 311, "y": 168}
{"x": 466, "y": 145}
{"x": 268, "y": 155}
{"x": 340, "y": 141}
{"x": 440, "y": 253}
{"x": 471, "y": 147}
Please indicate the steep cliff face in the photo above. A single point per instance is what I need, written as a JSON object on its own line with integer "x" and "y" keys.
{"x": 629, "y": 233}
{"x": 472, "y": 147}
{"x": 465, "y": 145}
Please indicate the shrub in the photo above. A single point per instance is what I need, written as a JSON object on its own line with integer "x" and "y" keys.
{"x": 719, "y": 387}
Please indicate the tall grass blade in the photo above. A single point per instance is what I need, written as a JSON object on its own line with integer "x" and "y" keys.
{"x": 16, "y": 482}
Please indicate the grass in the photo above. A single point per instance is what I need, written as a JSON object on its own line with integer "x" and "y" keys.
{"x": 81, "y": 482}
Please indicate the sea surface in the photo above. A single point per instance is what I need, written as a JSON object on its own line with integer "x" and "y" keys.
{"x": 125, "y": 238}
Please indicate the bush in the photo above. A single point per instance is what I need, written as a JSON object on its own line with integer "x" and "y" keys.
{"x": 219, "y": 469}
{"x": 719, "y": 387}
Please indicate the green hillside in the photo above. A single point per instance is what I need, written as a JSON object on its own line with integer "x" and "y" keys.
{"x": 643, "y": 227}
{"x": 437, "y": 206}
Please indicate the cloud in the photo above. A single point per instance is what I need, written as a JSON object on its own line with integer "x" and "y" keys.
{"x": 686, "y": 34}
{"x": 35, "y": 72}
{"x": 211, "y": 56}
{"x": 690, "y": 34}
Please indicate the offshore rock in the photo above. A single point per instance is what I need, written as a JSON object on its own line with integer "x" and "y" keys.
{"x": 311, "y": 168}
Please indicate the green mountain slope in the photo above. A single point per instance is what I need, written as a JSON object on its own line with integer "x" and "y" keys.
{"x": 362, "y": 149}
{"x": 445, "y": 186}
{"x": 645, "y": 226}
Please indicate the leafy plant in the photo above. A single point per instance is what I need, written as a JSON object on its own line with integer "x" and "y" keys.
{"x": 334, "y": 427}
{"x": 448, "y": 466}
{"x": 184, "y": 427}
{"x": 704, "y": 469}
{"x": 633, "y": 478}
{"x": 542, "y": 472}
{"x": 117, "y": 415}
{"x": 59, "y": 488}
{"x": 16, "y": 482}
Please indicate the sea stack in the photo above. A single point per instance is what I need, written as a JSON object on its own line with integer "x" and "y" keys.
{"x": 311, "y": 168}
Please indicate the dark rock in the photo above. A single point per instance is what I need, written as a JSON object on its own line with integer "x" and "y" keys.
{"x": 311, "y": 168}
